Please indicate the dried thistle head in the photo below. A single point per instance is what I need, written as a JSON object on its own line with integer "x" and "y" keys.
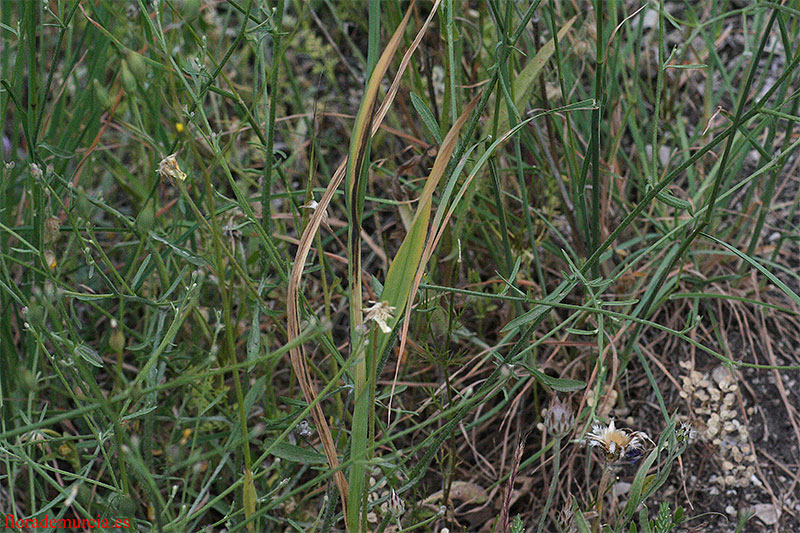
{"x": 618, "y": 445}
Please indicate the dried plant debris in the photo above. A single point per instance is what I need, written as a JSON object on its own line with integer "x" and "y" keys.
{"x": 712, "y": 400}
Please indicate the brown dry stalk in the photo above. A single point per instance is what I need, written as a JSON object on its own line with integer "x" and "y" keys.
{"x": 297, "y": 354}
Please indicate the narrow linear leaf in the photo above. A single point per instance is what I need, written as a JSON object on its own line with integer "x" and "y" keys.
{"x": 295, "y": 454}
{"x": 789, "y": 292}
{"x": 89, "y": 355}
{"x": 427, "y": 117}
{"x": 673, "y": 201}
{"x": 249, "y": 497}
{"x": 559, "y": 384}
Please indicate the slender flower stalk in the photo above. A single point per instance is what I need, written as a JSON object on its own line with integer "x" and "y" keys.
{"x": 553, "y": 483}
{"x": 559, "y": 420}
{"x": 608, "y": 471}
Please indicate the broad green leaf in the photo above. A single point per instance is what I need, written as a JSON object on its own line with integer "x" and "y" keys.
{"x": 637, "y": 492}
{"x": 580, "y": 520}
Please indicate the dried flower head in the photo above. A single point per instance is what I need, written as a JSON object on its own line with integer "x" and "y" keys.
{"x": 380, "y": 312}
{"x": 618, "y": 445}
{"x": 168, "y": 168}
{"x": 558, "y": 418}
{"x": 52, "y": 226}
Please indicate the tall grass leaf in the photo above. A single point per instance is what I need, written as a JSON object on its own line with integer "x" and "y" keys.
{"x": 400, "y": 278}
{"x": 354, "y": 198}
{"x": 523, "y": 83}
{"x": 357, "y": 156}
{"x": 298, "y": 266}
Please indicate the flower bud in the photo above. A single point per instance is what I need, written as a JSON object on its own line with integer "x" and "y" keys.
{"x": 396, "y": 505}
{"x": 558, "y": 418}
{"x": 116, "y": 341}
{"x": 52, "y": 227}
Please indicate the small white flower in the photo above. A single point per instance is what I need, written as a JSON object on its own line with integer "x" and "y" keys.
{"x": 169, "y": 168}
{"x": 686, "y": 433}
{"x": 313, "y": 205}
{"x": 380, "y": 312}
{"x": 304, "y": 429}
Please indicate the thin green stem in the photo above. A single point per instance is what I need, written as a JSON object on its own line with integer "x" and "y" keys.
{"x": 554, "y": 480}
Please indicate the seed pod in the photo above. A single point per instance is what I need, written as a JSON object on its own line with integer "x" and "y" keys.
{"x": 116, "y": 341}
{"x": 128, "y": 79}
{"x": 137, "y": 64}
{"x": 146, "y": 219}
{"x": 102, "y": 95}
